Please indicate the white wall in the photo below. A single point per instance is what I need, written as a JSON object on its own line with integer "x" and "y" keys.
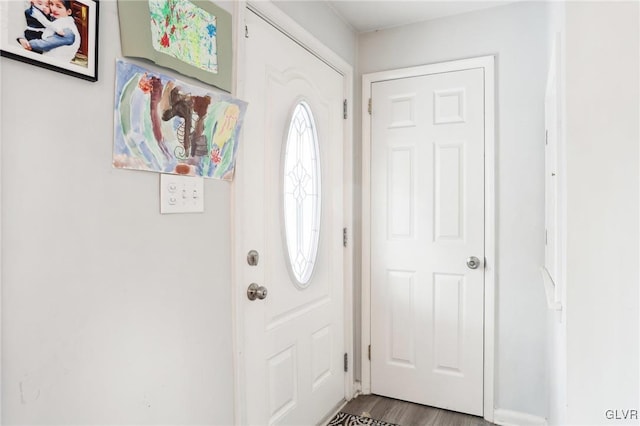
{"x": 603, "y": 113}
{"x": 111, "y": 313}
{"x": 517, "y": 34}
{"x": 319, "y": 19}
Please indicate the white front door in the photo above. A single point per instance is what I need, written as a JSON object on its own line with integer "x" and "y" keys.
{"x": 427, "y": 220}
{"x": 294, "y": 338}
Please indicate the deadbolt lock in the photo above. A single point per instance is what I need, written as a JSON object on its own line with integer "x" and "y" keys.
{"x": 252, "y": 258}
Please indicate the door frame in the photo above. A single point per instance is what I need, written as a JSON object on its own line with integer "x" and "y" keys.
{"x": 281, "y": 21}
{"x": 487, "y": 64}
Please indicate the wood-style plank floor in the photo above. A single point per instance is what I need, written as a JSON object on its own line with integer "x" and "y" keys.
{"x": 407, "y": 413}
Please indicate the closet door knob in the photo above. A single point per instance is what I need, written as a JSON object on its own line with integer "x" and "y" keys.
{"x": 473, "y": 262}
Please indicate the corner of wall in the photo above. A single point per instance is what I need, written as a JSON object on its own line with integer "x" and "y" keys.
{"x": 516, "y": 418}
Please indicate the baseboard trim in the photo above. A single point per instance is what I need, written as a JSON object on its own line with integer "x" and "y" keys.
{"x": 516, "y": 418}
{"x": 333, "y": 412}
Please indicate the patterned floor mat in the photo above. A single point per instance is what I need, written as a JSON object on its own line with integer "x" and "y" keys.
{"x": 344, "y": 419}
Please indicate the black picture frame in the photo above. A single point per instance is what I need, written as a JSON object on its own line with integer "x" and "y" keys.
{"x": 81, "y": 44}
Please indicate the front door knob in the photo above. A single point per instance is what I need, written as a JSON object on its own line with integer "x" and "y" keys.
{"x": 256, "y": 292}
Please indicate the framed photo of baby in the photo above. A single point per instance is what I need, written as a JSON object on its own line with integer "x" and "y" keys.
{"x": 60, "y": 35}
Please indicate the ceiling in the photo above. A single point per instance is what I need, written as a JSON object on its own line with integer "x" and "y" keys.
{"x": 368, "y": 15}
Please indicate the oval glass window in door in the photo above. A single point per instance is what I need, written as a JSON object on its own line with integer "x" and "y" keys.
{"x": 302, "y": 194}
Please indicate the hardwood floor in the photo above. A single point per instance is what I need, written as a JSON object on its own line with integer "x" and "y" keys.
{"x": 408, "y": 414}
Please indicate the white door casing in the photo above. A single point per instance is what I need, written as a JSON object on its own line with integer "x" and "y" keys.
{"x": 428, "y": 205}
{"x": 290, "y": 346}
{"x": 552, "y": 271}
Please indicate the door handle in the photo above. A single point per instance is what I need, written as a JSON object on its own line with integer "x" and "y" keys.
{"x": 256, "y": 292}
{"x": 473, "y": 262}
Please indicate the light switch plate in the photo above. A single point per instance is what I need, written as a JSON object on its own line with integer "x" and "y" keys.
{"x": 181, "y": 194}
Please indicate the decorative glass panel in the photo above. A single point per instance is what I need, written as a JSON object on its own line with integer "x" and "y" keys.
{"x": 301, "y": 186}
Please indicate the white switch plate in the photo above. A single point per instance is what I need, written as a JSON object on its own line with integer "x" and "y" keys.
{"x": 181, "y": 194}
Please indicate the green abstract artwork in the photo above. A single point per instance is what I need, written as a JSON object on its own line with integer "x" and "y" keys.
{"x": 184, "y": 31}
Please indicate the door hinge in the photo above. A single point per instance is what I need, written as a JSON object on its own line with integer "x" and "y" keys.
{"x": 546, "y": 137}
{"x": 344, "y": 109}
{"x": 246, "y": 32}
{"x": 345, "y": 238}
{"x": 346, "y": 362}
{"x": 369, "y": 352}
{"x": 546, "y": 237}
{"x": 370, "y": 106}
